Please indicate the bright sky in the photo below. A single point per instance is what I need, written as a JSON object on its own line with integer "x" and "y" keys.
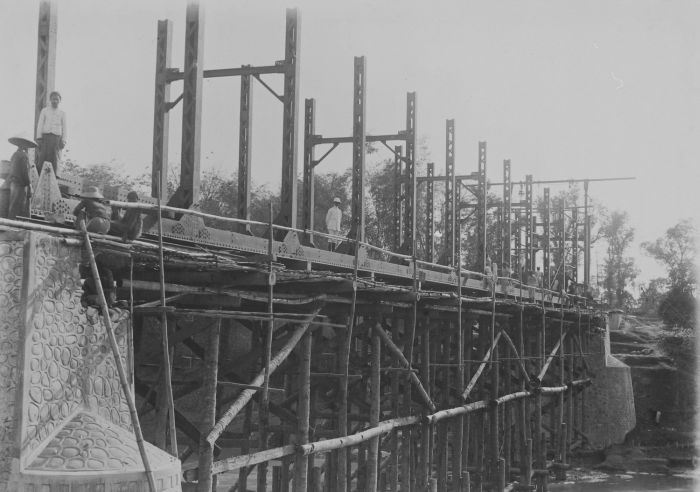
{"x": 565, "y": 89}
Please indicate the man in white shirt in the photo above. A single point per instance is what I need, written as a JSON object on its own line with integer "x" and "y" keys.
{"x": 333, "y": 218}
{"x": 51, "y": 133}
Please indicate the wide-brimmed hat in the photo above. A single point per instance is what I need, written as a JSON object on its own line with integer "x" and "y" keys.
{"x": 22, "y": 140}
{"x": 92, "y": 192}
{"x": 336, "y": 200}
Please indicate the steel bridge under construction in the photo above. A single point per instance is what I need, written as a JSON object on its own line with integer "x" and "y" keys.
{"x": 256, "y": 357}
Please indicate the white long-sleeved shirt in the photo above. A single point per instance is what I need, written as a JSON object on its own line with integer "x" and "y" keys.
{"x": 52, "y": 121}
{"x": 333, "y": 218}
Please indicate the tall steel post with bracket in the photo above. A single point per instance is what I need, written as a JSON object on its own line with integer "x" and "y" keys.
{"x": 309, "y": 164}
{"x": 574, "y": 245}
{"x": 506, "y": 232}
{"x": 429, "y": 224}
{"x": 547, "y": 255}
{"x": 161, "y": 117}
{"x": 410, "y": 176}
{"x": 481, "y": 210}
{"x": 288, "y": 202}
{"x": 399, "y": 191}
{"x": 193, "y": 76}
{"x": 451, "y": 237}
{"x": 45, "y": 56}
{"x": 357, "y": 219}
{"x": 245, "y": 148}
{"x": 529, "y": 246}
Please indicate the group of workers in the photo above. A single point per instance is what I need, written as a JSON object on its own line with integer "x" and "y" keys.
{"x": 92, "y": 210}
{"x": 51, "y": 136}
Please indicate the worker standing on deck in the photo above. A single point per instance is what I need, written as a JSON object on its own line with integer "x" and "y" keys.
{"x": 51, "y": 133}
{"x": 333, "y": 218}
{"x": 20, "y": 183}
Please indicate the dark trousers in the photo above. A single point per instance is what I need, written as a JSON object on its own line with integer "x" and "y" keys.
{"x": 50, "y": 151}
{"x": 19, "y": 204}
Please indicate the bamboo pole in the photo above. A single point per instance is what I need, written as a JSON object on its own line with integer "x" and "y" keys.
{"x": 442, "y": 427}
{"x": 245, "y": 449}
{"x": 167, "y": 369}
{"x": 359, "y": 437}
{"x": 264, "y": 407}
{"x": 468, "y": 452}
{"x": 130, "y": 333}
{"x": 494, "y": 431}
{"x": 240, "y": 462}
{"x": 301, "y": 463}
{"x": 539, "y": 435}
{"x": 375, "y": 398}
{"x": 206, "y": 481}
{"x": 458, "y": 427}
{"x": 393, "y": 478}
{"x": 480, "y": 420}
{"x": 562, "y": 409}
{"x": 405, "y": 410}
{"x": 524, "y": 421}
{"x": 118, "y": 360}
{"x": 507, "y": 409}
{"x": 426, "y": 428}
{"x": 247, "y": 394}
{"x": 343, "y": 457}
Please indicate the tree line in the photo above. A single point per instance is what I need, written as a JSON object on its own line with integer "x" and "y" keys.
{"x": 671, "y": 297}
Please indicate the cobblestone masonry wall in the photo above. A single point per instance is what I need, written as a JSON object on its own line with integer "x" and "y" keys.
{"x": 64, "y": 421}
{"x": 10, "y": 323}
{"x": 66, "y": 351}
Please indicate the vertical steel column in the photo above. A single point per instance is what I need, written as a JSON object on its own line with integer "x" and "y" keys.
{"x": 519, "y": 244}
{"x": 288, "y": 206}
{"x": 586, "y": 239}
{"x": 192, "y": 105}
{"x": 357, "y": 219}
{"x": 481, "y": 208}
{"x": 161, "y": 118}
{"x": 450, "y": 226}
{"x": 309, "y": 163}
{"x": 561, "y": 244}
{"x": 398, "y": 197}
{"x": 574, "y": 246}
{"x": 429, "y": 225}
{"x": 45, "y": 55}
{"x": 547, "y": 257}
{"x": 529, "y": 256}
{"x": 506, "y": 223}
{"x": 410, "y": 194}
{"x": 245, "y": 150}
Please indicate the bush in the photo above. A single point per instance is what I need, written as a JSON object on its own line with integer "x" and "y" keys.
{"x": 677, "y": 308}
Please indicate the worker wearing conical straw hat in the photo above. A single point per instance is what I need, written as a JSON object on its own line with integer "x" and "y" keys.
{"x": 20, "y": 184}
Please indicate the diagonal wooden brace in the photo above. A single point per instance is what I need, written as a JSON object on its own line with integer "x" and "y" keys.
{"x": 560, "y": 343}
{"x": 406, "y": 365}
{"x": 247, "y": 394}
{"x": 478, "y": 372}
